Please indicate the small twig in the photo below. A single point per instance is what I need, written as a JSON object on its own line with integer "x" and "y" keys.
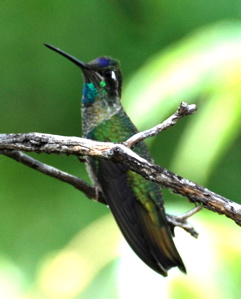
{"x": 181, "y": 221}
{"x": 183, "y": 110}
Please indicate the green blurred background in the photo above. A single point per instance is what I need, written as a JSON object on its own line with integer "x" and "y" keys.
{"x": 54, "y": 242}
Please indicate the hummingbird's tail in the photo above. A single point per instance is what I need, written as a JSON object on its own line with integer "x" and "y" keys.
{"x": 161, "y": 244}
{"x": 152, "y": 242}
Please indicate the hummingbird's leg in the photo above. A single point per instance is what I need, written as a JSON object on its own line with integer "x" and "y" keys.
{"x": 97, "y": 193}
{"x": 181, "y": 221}
{"x": 99, "y": 197}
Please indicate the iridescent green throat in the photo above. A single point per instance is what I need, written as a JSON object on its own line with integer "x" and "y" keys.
{"x": 97, "y": 106}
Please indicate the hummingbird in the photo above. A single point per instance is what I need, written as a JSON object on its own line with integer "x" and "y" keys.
{"x": 136, "y": 203}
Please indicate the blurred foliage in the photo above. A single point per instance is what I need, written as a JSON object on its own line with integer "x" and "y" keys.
{"x": 54, "y": 243}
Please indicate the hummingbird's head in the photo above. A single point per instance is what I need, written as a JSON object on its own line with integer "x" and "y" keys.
{"x": 103, "y": 79}
{"x": 104, "y": 76}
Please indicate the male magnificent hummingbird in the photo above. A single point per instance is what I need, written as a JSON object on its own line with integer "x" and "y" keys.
{"x": 136, "y": 203}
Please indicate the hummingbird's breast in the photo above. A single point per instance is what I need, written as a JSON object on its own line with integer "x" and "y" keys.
{"x": 100, "y": 117}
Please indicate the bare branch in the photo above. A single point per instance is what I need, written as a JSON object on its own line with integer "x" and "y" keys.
{"x": 183, "y": 110}
{"x": 89, "y": 191}
{"x": 46, "y": 143}
{"x": 53, "y": 144}
{"x": 181, "y": 221}
{"x": 177, "y": 184}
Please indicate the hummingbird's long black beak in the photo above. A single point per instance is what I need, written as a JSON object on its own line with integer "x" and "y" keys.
{"x": 79, "y": 63}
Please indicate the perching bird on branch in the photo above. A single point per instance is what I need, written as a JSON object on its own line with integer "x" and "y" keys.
{"x": 136, "y": 203}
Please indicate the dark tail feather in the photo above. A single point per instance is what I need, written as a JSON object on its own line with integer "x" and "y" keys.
{"x": 161, "y": 243}
{"x": 152, "y": 243}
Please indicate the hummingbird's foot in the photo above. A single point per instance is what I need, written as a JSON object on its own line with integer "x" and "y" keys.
{"x": 99, "y": 197}
{"x": 181, "y": 221}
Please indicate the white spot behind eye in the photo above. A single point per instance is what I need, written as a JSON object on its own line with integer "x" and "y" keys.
{"x": 113, "y": 75}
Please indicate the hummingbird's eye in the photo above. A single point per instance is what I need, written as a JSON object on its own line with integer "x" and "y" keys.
{"x": 109, "y": 74}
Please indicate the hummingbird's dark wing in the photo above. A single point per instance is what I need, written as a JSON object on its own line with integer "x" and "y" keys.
{"x": 152, "y": 243}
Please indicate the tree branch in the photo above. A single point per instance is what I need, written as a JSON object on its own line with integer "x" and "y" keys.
{"x": 47, "y": 143}
{"x": 12, "y": 144}
{"x": 90, "y": 191}
{"x": 183, "y": 110}
{"x": 181, "y": 221}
